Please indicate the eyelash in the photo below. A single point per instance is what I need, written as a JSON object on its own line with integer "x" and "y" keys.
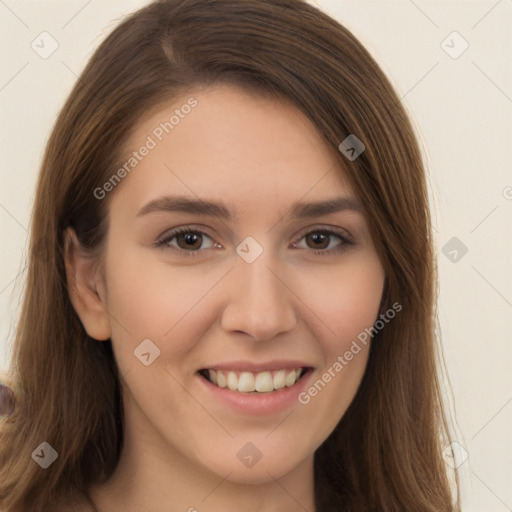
{"x": 166, "y": 238}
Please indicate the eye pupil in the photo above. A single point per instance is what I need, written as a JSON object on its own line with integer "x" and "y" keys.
{"x": 319, "y": 237}
{"x": 190, "y": 238}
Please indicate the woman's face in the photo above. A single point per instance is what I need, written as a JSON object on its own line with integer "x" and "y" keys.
{"x": 255, "y": 290}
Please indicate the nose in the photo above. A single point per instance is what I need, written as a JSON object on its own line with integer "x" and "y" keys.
{"x": 260, "y": 302}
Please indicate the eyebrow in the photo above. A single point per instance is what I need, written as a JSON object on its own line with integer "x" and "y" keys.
{"x": 218, "y": 209}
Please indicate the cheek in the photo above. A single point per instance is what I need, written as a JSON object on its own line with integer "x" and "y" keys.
{"x": 155, "y": 301}
{"x": 147, "y": 294}
{"x": 152, "y": 300}
{"x": 348, "y": 306}
{"x": 345, "y": 299}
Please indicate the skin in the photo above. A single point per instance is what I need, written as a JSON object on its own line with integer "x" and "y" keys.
{"x": 258, "y": 155}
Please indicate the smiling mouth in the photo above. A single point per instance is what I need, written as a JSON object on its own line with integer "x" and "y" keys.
{"x": 254, "y": 382}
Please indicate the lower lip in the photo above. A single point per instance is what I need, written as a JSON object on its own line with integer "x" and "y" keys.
{"x": 258, "y": 403}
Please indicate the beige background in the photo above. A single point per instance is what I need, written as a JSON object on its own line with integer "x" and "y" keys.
{"x": 461, "y": 106}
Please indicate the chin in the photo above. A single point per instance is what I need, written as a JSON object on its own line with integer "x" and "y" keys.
{"x": 257, "y": 472}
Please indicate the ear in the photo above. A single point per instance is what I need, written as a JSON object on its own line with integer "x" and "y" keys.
{"x": 86, "y": 288}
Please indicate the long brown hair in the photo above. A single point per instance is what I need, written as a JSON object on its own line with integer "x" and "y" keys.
{"x": 385, "y": 453}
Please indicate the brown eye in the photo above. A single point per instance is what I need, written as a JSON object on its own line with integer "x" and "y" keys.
{"x": 322, "y": 241}
{"x": 186, "y": 241}
{"x": 319, "y": 240}
{"x": 189, "y": 240}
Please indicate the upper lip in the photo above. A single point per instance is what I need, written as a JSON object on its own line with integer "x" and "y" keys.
{"x": 249, "y": 366}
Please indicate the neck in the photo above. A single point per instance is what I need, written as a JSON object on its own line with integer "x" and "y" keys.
{"x": 152, "y": 476}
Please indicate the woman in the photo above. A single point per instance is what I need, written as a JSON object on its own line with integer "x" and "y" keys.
{"x": 231, "y": 291}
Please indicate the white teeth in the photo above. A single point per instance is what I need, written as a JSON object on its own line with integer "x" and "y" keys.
{"x": 221, "y": 379}
{"x": 248, "y": 382}
{"x": 280, "y": 379}
{"x": 290, "y": 378}
{"x": 264, "y": 382}
{"x": 232, "y": 381}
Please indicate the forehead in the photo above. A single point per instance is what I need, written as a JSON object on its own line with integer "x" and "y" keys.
{"x": 226, "y": 143}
